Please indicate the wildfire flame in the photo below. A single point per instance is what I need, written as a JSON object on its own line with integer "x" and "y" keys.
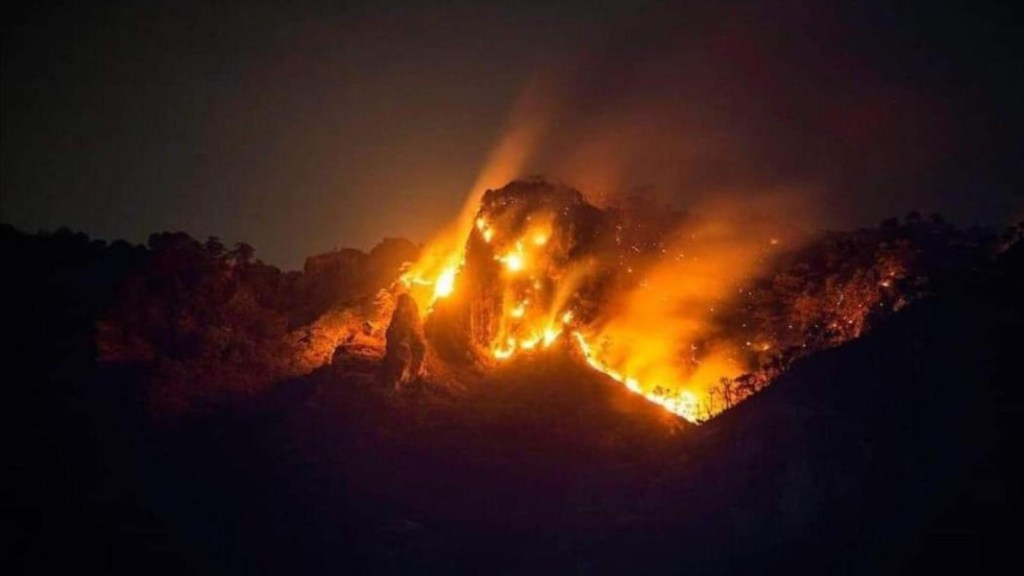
{"x": 445, "y": 284}
{"x": 655, "y": 338}
{"x": 433, "y": 282}
{"x": 685, "y": 403}
{"x": 537, "y": 284}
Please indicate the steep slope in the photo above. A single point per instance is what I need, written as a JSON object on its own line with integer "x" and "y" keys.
{"x": 519, "y": 469}
{"x": 893, "y": 453}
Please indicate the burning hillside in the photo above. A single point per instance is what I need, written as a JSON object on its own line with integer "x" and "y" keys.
{"x": 538, "y": 462}
{"x": 694, "y": 311}
{"x": 531, "y": 269}
{"x": 666, "y": 303}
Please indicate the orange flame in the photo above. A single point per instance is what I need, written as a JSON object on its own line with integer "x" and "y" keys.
{"x": 444, "y": 253}
{"x": 684, "y": 403}
{"x": 657, "y": 340}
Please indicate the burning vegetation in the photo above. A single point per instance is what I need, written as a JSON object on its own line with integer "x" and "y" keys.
{"x": 693, "y": 311}
{"x": 634, "y": 295}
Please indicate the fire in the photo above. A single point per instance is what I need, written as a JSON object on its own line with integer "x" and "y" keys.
{"x": 538, "y": 263}
{"x": 506, "y": 161}
{"x": 486, "y": 231}
{"x": 526, "y": 269}
{"x": 544, "y": 339}
{"x": 513, "y": 261}
{"x": 504, "y": 352}
{"x": 432, "y": 279}
{"x": 685, "y": 403}
{"x": 445, "y": 284}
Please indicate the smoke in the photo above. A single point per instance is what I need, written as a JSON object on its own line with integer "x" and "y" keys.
{"x": 666, "y": 332}
{"x": 705, "y": 98}
{"x": 755, "y": 125}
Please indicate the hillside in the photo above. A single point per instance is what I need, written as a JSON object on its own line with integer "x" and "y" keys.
{"x": 893, "y": 452}
{"x": 896, "y": 452}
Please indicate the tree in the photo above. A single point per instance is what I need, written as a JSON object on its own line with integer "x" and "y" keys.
{"x": 214, "y": 247}
{"x": 243, "y": 253}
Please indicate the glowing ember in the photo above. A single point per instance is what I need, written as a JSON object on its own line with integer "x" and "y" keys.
{"x": 513, "y": 261}
{"x": 445, "y": 284}
{"x": 486, "y": 231}
{"x": 550, "y": 335}
{"x": 503, "y": 353}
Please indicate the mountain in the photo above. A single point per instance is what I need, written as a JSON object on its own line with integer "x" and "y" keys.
{"x": 893, "y": 452}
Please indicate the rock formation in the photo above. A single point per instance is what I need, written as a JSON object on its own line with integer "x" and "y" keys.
{"x": 554, "y": 231}
{"x": 406, "y": 346}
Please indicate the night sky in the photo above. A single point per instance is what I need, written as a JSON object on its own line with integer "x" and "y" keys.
{"x": 303, "y": 126}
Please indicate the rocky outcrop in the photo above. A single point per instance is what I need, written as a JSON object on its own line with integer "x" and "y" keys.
{"x": 555, "y": 231}
{"x": 347, "y": 277}
{"x": 406, "y": 346}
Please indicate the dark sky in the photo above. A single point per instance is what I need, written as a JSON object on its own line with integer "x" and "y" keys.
{"x": 304, "y": 126}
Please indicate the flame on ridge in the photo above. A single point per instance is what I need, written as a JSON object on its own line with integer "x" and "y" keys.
{"x": 536, "y": 312}
{"x": 656, "y": 339}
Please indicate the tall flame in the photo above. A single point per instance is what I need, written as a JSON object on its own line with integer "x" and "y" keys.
{"x": 443, "y": 255}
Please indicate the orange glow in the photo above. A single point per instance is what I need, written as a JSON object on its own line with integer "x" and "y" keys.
{"x": 513, "y": 261}
{"x": 486, "y": 231}
{"x": 446, "y": 250}
{"x": 684, "y": 402}
{"x": 432, "y": 278}
{"x": 664, "y": 334}
{"x": 445, "y": 284}
{"x": 503, "y": 353}
{"x": 506, "y": 162}
{"x": 657, "y": 336}
{"x": 550, "y": 335}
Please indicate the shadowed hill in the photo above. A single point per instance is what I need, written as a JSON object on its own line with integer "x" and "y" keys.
{"x": 893, "y": 453}
{"x": 518, "y": 469}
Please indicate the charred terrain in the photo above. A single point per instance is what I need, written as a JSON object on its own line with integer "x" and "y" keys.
{"x": 182, "y": 407}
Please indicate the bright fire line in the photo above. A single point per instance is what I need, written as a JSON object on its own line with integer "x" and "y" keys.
{"x": 684, "y": 404}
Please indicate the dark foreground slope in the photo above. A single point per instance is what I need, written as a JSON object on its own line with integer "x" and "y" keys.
{"x": 894, "y": 453}
{"x": 898, "y": 452}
